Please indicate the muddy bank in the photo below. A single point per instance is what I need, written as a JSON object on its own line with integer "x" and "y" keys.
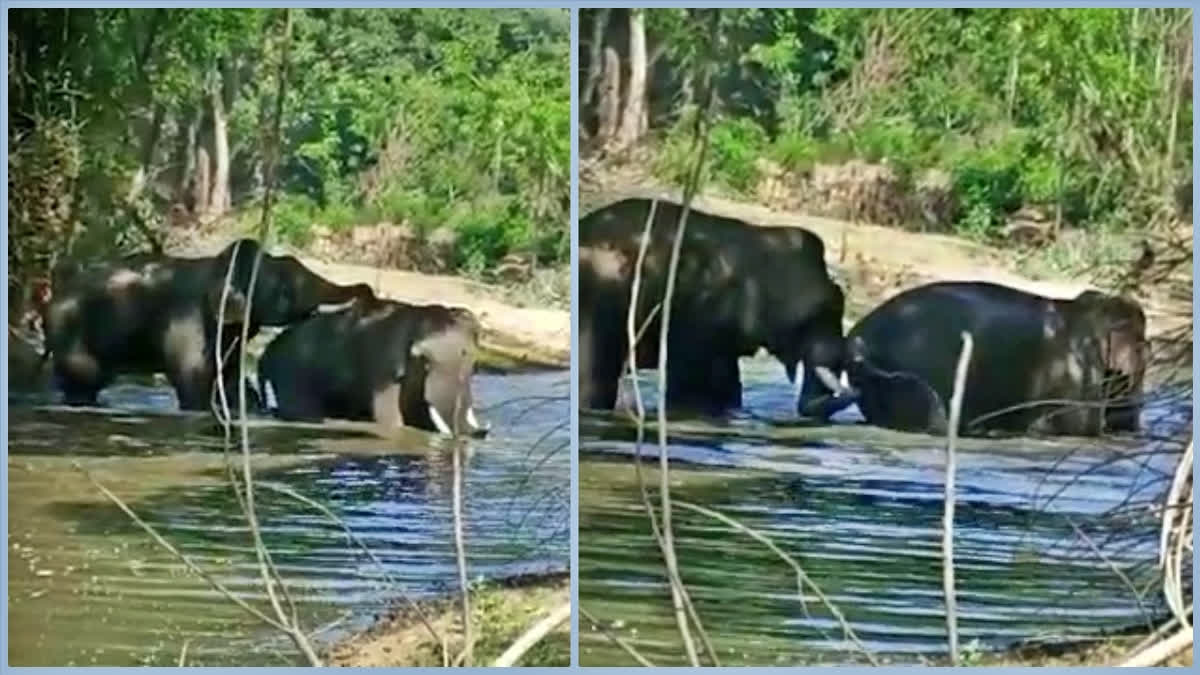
{"x": 501, "y": 612}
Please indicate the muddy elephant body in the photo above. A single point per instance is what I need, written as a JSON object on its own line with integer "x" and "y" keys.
{"x": 739, "y": 287}
{"x": 381, "y": 360}
{"x": 150, "y": 314}
{"x": 1085, "y": 353}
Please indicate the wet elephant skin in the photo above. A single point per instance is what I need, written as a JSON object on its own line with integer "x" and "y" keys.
{"x": 150, "y": 314}
{"x": 1088, "y": 353}
{"x": 739, "y": 287}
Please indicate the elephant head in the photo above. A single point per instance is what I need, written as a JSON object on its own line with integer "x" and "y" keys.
{"x": 436, "y": 383}
{"x": 1111, "y": 332}
{"x": 807, "y": 338}
{"x": 285, "y": 291}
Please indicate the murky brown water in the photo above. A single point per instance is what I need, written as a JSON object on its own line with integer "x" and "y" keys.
{"x": 88, "y": 587}
{"x": 860, "y": 509}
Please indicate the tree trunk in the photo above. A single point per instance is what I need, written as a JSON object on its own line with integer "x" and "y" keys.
{"x": 184, "y": 189}
{"x": 201, "y": 183}
{"x": 1179, "y": 91}
{"x": 633, "y": 119}
{"x": 610, "y": 98}
{"x": 149, "y": 146}
{"x": 596, "y": 57}
{"x": 218, "y": 202}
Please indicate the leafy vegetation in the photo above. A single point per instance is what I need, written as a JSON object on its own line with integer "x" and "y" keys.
{"x": 429, "y": 118}
{"x": 1086, "y": 113}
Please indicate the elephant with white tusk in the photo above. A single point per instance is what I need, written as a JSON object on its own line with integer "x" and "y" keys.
{"x": 1085, "y": 357}
{"x": 379, "y": 360}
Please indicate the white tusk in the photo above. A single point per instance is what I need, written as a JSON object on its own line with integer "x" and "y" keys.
{"x": 269, "y": 395}
{"x": 471, "y": 420}
{"x": 439, "y": 422}
{"x": 798, "y": 380}
{"x": 330, "y": 308}
{"x": 829, "y": 379}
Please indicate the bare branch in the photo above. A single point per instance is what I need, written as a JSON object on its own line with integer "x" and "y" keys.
{"x": 960, "y": 381}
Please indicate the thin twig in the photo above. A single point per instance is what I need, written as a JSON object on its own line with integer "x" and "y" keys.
{"x": 802, "y": 577}
{"x": 1137, "y": 596}
{"x": 617, "y": 640}
{"x": 960, "y": 381}
{"x": 634, "y": 337}
{"x": 461, "y": 556}
{"x": 179, "y": 554}
{"x": 354, "y": 538}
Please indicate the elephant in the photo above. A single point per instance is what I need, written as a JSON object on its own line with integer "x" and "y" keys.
{"x": 739, "y": 288}
{"x": 153, "y": 313}
{"x": 1086, "y": 354}
{"x": 378, "y": 360}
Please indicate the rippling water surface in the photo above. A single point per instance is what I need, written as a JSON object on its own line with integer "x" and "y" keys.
{"x": 87, "y": 586}
{"x": 860, "y": 510}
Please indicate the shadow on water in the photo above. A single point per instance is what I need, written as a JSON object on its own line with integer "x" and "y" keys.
{"x": 860, "y": 508}
{"x": 87, "y": 586}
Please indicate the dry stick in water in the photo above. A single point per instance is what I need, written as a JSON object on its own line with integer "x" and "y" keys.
{"x": 267, "y": 569}
{"x": 461, "y": 555}
{"x": 533, "y": 636}
{"x": 158, "y": 538}
{"x": 416, "y": 608}
{"x": 616, "y": 639}
{"x": 960, "y": 381}
{"x": 802, "y": 578}
{"x": 634, "y": 337}
{"x": 1137, "y": 595}
{"x": 1175, "y": 534}
{"x": 678, "y": 592}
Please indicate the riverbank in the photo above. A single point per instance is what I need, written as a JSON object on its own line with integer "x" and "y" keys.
{"x": 501, "y": 612}
{"x": 874, "y": 263}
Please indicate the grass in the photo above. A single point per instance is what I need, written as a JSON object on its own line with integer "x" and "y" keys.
{"x": 501, "y": 612}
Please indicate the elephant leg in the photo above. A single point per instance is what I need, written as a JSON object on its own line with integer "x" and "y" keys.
{"x": 702, "y": 377}
{"x": 80, "y": 375}
{"x": 193, "y": 387}
{"x": 602, "y": 347}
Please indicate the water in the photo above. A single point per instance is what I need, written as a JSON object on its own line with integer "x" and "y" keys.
{"x": 87, "y": 586}
{"x": 860, "y": 510}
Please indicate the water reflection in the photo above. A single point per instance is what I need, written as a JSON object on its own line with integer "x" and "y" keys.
{"x": 87, "y": 586}
{"x": 860, "y": 509}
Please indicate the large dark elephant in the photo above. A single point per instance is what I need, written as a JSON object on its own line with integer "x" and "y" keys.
{"x": 739, "y": 287}
{"x": 377, "y": 360}
{"x": 1086, "y": 354}
{"x": 148, "y": 314}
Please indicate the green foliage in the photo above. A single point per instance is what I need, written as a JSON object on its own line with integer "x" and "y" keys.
{"x": 987, "y": 180}
{"x": 414, "y": 116}
{"x": 1084, "y": 109}
{"x": 734, "y": 145}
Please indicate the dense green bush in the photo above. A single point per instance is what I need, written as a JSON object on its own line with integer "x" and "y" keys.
{"x": 427, "y": 117}
{"x": 1083, "y": 112}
